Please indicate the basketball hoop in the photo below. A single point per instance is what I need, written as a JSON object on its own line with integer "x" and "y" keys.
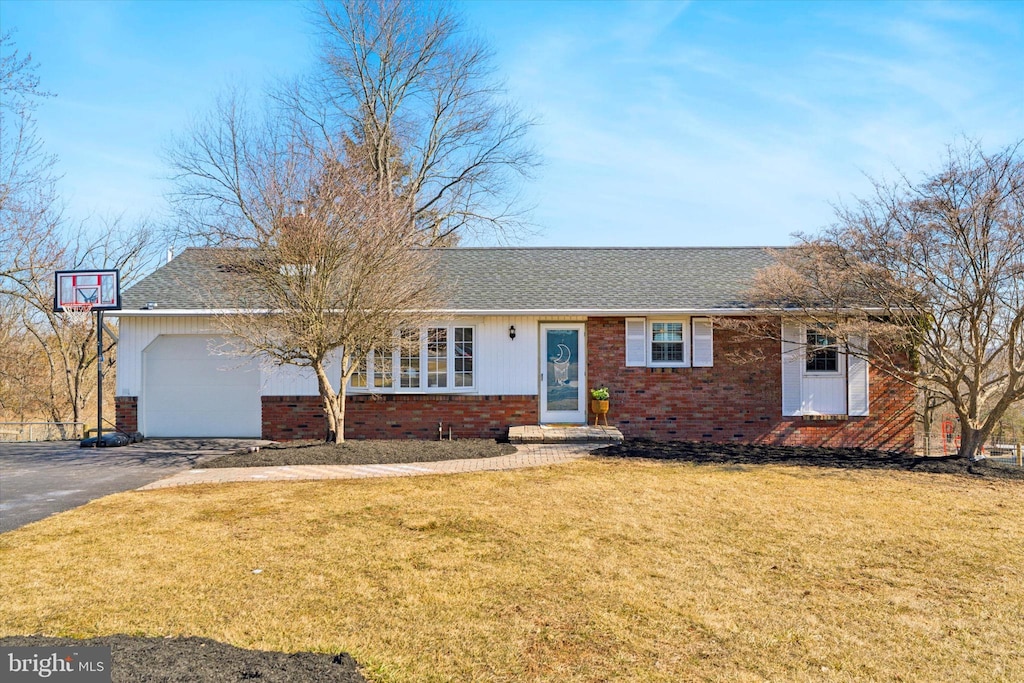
{"x": 77, "y": 315}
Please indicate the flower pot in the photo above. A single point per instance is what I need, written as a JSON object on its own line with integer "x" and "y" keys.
{"x": 599, "y": 409}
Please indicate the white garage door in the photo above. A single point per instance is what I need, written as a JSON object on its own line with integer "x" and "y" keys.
{"x": 191, "y": 390}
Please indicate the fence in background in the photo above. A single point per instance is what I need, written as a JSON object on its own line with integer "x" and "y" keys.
{"x": 41, "y": 431}
{"x": 944, "y": 439}
{"x": 1005, "y": 452}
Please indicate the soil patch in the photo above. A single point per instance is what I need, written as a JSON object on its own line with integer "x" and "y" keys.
{"x": 177, "y": 660}
{"x": 369, "y": 452}
{"x": 843, "y": 458}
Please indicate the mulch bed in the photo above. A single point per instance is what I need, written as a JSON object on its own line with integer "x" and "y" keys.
{"x": 844, "y": 458}
{"x": 200, "y": 660}
{"x": 369, "y": 452}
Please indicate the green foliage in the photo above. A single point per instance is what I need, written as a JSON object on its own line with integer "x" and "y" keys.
{"x": 599, "y": 394}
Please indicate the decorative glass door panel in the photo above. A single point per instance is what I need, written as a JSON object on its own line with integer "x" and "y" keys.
{"x": 563, "y": 371}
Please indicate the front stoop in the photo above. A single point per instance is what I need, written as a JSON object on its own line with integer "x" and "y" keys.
{"x": 569, "y": 434}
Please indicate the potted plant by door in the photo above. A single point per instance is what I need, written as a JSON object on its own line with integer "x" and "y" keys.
{"x": 599, "y": 404}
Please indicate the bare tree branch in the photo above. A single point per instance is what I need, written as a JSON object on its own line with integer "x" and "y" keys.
{"x": 933, "y": 270}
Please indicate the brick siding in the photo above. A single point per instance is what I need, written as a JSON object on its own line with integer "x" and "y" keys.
{"x": 126, "y": 413}
{"x": 733, "y": 401}
{"x": 401, "y": 416}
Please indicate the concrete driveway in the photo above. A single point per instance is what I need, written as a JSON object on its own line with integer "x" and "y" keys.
{"x": 43, "y": 478}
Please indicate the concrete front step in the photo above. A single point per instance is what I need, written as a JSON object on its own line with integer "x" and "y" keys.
{"x": 566, "y": 434}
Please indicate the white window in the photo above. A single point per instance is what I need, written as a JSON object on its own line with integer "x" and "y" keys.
{"x": 822, "y": 353}
{"x": 818, "y": 376}
{"x": 669, "y": 343}
{"x": 430, "y": 359}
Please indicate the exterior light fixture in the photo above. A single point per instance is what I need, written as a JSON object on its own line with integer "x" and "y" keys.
{"x": 511, "y": 331}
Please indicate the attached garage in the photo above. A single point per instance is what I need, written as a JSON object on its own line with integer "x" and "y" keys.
{"x": 192, "y": 389}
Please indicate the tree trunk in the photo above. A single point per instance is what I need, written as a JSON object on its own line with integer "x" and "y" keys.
{"x": 333, "y": 405}
{"x": 971, "y": 441}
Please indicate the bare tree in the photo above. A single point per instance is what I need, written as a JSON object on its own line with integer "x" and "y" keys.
{"x": 933, "y": 271}
{"x": 30, "y": 214}
{"x": 403, "y": 89}
{"x": 66, "y": 354}
{"x": 322, "y": 262}
{"x": 58, "y": 361}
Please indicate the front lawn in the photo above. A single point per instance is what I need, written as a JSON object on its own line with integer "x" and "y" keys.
{"x": 601, "y": 569}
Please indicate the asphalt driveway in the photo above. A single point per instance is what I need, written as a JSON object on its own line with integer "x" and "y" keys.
{"x": 43, "y": 478}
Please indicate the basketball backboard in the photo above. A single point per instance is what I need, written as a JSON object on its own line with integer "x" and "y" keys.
{"x": 101, "y": 289}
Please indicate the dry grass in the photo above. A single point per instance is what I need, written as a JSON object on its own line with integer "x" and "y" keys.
{"x": 597, "y": 570}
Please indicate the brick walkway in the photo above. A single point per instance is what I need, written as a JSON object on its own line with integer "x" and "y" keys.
{"x": 527, "y": 455}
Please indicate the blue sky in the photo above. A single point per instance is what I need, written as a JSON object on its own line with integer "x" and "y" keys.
{"x": 661, "y": 123}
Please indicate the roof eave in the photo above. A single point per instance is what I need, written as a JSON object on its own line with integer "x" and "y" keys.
{"x": 479, "y": 312}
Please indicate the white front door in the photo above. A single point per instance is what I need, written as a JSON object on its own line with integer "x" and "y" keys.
{"x": 563, "y": 364}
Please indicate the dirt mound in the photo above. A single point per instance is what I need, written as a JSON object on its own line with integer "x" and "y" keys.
{"x": 843, "y": 458}
{"x": 177, "y": 660}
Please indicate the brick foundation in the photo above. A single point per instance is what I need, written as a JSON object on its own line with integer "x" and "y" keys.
{"x": 733, "y": 401}
{"x": 401, "y": 416}
{"x": 126, "y": 413}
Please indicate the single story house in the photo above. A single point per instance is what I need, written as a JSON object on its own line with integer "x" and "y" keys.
{"x": 527, "y": 333}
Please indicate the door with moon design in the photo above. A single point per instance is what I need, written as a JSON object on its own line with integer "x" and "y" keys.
{"x": 563, "y": 373}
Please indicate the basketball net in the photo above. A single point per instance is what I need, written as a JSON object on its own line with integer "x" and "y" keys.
{"x": 77, "y": 315}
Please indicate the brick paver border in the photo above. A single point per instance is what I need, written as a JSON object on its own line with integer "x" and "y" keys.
{"x": 526, "y": 455}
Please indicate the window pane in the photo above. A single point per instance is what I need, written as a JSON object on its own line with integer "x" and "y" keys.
{"x": 382, "y": 370}
{"x": 667, "y": 345}
{"x": 409, "y": 355}
{"x": 359, "y": 376}
{"x": 663, "y": 352}
{"x": 437, "y": 357}
{"x": 463, "y": 369}
{"x": 667, "y": 332}
{"x": 822, "y": 355}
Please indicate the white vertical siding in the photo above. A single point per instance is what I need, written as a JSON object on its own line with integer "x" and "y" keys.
{"x": 507, "y": 366}
{"x": 136, "y": 333}
{"x": 510, "y": 366}
{"x": 504, "y": 366}
{"x": 824, "y": 394}
{"x": 289, "y": 380}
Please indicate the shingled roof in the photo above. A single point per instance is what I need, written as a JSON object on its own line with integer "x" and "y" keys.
{"x": 518, "y": 280}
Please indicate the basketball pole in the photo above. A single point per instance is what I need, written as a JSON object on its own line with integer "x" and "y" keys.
{"x": 99, "y": 378}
